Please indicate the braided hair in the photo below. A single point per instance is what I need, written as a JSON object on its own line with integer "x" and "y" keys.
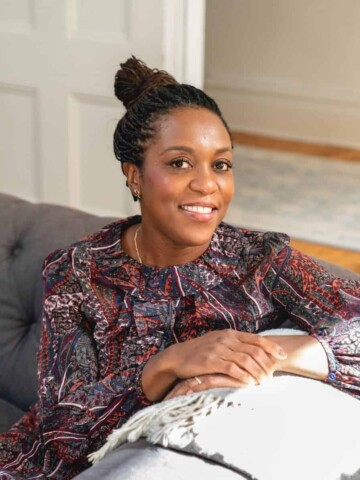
{"x": 147, "y": 94}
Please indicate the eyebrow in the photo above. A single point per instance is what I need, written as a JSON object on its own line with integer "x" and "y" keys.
{"x": 190, "y": 150}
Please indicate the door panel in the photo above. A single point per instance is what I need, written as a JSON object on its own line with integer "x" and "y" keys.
{"x": 57, "y": 108}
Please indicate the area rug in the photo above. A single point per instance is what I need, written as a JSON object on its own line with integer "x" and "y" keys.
{"x": 311, "y": 198}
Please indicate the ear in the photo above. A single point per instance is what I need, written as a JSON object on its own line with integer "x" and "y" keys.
{"x": 132, "y": 174}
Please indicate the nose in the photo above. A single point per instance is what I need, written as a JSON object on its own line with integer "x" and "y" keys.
{"x": 204, "y": 181}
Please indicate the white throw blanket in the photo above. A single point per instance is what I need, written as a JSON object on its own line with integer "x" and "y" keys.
{"x": 289, "y": 428}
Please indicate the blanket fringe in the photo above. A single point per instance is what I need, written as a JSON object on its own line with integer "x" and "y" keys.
{"x": 162, "y": 418}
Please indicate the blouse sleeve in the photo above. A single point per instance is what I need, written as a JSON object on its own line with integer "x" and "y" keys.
{"x": 328, "y": 308}
{"x": 78, "y": 407}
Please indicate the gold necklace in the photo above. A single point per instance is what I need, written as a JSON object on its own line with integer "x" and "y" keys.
{"x": 136, "y": 245}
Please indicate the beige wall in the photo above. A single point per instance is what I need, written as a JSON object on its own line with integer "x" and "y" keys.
{"x": 288, "y": 68}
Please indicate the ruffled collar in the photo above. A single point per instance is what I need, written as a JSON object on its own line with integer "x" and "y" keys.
{"x": 118, "y": 270}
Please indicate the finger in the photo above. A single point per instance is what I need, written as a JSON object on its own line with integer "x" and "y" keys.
{"x": 227, "y": 336}
{"x": 178, "y": 393}
{"x": 250, "y": 359}
{"x": 252, "y": 366}
{"x": 217, "y": 381}
{"x": 255, "y": 360}
{"x": 267, "y": 345}
{"x": 235, "y": 371}
{"x": 198, "y": 384}
{"x": 182, "y": 388}
{"x": 208, "y": 381}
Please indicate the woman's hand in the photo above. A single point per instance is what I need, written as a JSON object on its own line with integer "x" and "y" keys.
{"x": 244, "y": 357}
{"x": 192, "y": 385}
{"x": 306, "y": 357}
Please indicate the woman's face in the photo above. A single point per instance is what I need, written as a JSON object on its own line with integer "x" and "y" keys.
{"x": 186, "y": 181}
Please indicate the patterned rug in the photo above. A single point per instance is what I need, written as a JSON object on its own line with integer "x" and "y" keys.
{"x": 310, "y": 198}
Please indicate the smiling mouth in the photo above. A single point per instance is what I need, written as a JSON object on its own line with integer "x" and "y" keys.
{"x": 197, "y": 209}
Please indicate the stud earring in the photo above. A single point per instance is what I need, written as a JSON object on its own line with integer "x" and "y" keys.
{"x": 137, "y": 194}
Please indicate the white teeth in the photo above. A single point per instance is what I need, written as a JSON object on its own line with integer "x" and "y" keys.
{"x": 197, "y": 209}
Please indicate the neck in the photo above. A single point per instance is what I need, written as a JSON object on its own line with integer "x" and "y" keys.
{"x": 157, "y": 251}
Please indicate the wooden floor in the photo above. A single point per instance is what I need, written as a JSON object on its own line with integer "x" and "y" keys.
{"x": 346, "y": 258}
{"x": 269, "y": 143}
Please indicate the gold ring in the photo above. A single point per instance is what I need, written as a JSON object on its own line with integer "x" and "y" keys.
{"x": 198, "y": 380}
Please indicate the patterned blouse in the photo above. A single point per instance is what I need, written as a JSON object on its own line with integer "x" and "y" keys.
{"x": 105, "y": 315}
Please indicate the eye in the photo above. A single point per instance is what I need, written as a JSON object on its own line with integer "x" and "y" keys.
{"x": 180, "y": 163}
{"x": 223, "y": 165}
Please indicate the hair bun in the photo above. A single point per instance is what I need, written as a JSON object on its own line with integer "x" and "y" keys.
{"x": 135, "y": 78}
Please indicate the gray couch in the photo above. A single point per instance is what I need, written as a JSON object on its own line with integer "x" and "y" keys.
{"x": 28, "y": 233}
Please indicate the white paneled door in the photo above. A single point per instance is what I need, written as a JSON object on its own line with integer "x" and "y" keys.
{"x": 57, "y": 109}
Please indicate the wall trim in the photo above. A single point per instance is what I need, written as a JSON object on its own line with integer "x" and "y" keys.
{"x": 281, "y": 87}
{"x": 320, "y": 114}
{"x": 184, "y": 40}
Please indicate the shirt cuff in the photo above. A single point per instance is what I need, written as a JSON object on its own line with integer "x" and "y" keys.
{"x": 330, "y": 356}
{"x": 137, "y": 387}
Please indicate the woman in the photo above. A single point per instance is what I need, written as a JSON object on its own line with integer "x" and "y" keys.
{"x": 171, "y": 302}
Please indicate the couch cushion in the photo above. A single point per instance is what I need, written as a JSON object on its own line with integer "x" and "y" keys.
{"x": 142, "y": 460}
{"x": 339, "y": 271}
{"x": 9, "y": 414}
{"x": 28, "y": 233}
